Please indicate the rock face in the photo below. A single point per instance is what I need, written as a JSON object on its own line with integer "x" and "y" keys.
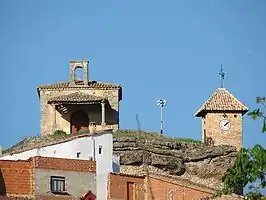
{"x": 191, "y": 160}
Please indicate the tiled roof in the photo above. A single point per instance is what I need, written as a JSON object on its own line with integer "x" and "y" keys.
{"x": 91, "y": 84}
{"x": 222, "y": 100}
{"x": 76, "y": 97}
{"x": 15, "y": 198}
{"x": 65, "y": 164}
{"x": 48, "y": 140}
{"x": 127, "y": 175}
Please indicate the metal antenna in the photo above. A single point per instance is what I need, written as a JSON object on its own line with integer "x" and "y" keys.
{"x": 222, "y": 74}
{"x": 162, "y": 104}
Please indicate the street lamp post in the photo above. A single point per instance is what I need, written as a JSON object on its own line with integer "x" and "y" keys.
{"x": 162, "y": 104}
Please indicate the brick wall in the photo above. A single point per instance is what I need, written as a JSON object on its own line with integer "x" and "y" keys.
{"x": 16, "y": 177}
{"x": 154, "y": 187}
{"x": 65, "y": 164}
{"x": 118, "y": 187}
{"x": 158, "y": 189}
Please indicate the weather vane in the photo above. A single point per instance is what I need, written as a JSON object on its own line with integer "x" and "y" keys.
{"x": 222, "y": 74}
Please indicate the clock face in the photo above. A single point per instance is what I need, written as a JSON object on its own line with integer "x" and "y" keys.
{"x": 225, "y": 124}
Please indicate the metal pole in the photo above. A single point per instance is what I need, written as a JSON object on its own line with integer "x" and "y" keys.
{"x": 161, "y": 103}
{"x": 161, "y": 119}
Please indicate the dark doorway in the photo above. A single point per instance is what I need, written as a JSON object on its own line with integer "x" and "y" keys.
{"x": 79, "y": 121}
{"x": 2, "y": 185}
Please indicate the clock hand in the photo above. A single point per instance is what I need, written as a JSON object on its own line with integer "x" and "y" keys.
{"x": 226, "y": 123}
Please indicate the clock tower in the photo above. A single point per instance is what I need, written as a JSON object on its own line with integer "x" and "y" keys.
{"x": 222, "y": 119}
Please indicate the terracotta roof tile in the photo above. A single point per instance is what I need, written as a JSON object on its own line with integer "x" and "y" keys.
{"x": 15, "y": 198}
{"x": 222, "y": 100}
{"x": 66, "y": 164}
{"x": 76, "y": 97}
{"x": 91, "y": 84}
{"x": 33, "y": 142}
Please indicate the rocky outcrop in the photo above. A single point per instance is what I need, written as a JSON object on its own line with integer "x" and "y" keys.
{"x": 191, "y": 160}
{"x": 142, "y": 153}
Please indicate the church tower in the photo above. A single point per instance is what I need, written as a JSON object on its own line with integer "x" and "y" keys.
{"x": 222, "y": 119}
{"x": 79, "y": 105}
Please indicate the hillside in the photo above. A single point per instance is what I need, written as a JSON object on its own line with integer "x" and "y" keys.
{"x": 143, "y": 152}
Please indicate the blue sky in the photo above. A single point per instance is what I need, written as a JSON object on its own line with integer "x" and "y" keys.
{"x": 156, "y": 49}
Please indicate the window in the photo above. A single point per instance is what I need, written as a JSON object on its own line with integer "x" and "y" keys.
{"x": 100, "y": 149}
{"x": 58, "y": 184}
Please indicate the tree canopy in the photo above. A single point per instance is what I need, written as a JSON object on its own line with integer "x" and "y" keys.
{"x": 250, "y": 165}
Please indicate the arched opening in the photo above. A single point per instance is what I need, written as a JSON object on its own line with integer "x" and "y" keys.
{"x": 78, "y": 73}
{"x": 79, "y": 121}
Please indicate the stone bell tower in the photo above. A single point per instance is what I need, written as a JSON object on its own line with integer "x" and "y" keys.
{"x": 76, "y": 64}
{"x": 77, "y": 105}
{"x": 222, "y": 119}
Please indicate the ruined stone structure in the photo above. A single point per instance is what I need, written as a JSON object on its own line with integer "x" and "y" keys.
{"x": 222, "y": 119}
{"x": 75, "y": 105}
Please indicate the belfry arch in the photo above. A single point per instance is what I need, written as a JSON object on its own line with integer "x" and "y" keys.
{"x": 73, "y": 66}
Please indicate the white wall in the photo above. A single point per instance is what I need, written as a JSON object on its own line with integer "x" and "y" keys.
{"x": 85, "y": 145}
{"x": 104, "y": 164}
{"x": 63, "y": 150}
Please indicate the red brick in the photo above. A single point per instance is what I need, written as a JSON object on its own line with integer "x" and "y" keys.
{"x": 18, "y": 176}
{"x": 65, "y": 164}
{"x": 117, "y": 187}
{"x": 154, "y": 188}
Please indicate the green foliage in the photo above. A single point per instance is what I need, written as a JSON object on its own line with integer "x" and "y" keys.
{"x": 257, "y": 114}
{"x": 249, "y": 167}
{"x": 151, "y": 135}
{"x": 59, "y": 134}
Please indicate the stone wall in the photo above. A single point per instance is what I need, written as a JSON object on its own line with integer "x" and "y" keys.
{"x": 63, "y": 121}
{"x": 211, "y": 125}
{"x": 224, "y": 197}
{"x": 230, "y": 197}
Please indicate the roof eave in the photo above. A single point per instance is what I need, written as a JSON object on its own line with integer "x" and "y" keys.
{"x": 201, "y": 112}
{"x": 73, "y": 102}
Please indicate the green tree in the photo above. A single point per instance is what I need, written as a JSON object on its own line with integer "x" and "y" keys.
{"x": 250, "y": 165}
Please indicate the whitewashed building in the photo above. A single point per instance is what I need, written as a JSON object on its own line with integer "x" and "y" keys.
{"x": 98, "y": 147}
